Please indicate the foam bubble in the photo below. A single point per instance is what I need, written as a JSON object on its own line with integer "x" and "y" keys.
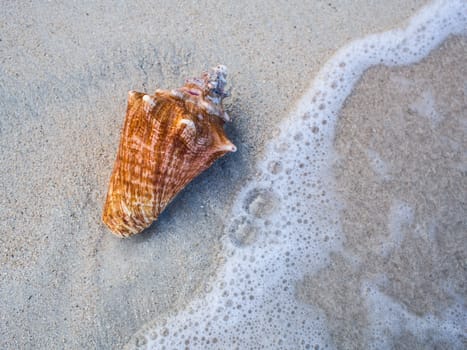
{"x": 285, "y": 223}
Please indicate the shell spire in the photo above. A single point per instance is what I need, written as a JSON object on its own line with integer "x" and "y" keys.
{"x": 168, "y": 138}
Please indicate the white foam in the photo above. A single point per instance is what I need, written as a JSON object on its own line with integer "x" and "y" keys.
{"x": 285, "y": 223}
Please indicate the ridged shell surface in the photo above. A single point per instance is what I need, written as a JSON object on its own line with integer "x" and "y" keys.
{"x": 168, "y": 139}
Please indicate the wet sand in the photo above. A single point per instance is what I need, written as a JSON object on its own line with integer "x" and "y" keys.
{"x": 66, "y": 281}
{"x": 400, "y": 143}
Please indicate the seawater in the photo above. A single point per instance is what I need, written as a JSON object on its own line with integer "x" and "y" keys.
{"x": 286, "y": 222}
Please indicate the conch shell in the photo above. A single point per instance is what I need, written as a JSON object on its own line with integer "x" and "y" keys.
{"x": 167, "y": 140}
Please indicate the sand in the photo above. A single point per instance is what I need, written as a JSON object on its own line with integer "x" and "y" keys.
{"x": 65, "y": 71}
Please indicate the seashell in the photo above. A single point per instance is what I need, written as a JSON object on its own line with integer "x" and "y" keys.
{"x": 168, "y": 139}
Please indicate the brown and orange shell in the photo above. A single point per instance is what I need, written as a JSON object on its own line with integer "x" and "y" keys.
{"x": 168, "y": 139}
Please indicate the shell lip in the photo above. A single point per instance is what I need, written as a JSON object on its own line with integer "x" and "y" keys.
{"x": 193, "y": 92}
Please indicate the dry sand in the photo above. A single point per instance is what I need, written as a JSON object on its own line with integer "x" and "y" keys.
{"x": 66, "y": 282}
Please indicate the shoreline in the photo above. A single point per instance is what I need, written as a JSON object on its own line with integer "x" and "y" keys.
{"x": 64, "y": 79}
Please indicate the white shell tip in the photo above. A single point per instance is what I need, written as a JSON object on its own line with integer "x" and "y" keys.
{"x": 149, "y": 100}
{"x": 229, "y": 147}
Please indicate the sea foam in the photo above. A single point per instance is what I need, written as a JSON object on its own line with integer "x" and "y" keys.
{"x": 285, "y": 222}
